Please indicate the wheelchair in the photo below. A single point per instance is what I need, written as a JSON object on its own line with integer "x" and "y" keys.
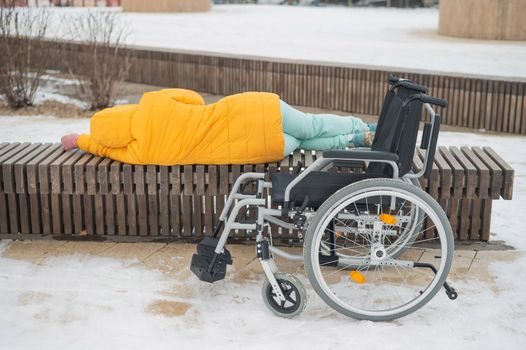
{"x": 376, "y": 246}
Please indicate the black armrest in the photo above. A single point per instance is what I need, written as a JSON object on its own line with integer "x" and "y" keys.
{"x": 361, "y": 155}
{"x": 349, "y": 163}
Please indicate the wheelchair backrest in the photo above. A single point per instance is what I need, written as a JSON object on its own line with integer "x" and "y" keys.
{"x": 397, "y": 129}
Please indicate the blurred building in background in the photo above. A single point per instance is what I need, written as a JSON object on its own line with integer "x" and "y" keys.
{"x": 46, "y": 3}
{"x": 203, "y": 5}
{"x": 483, "y": 19}
{"x": 166, "y": 5}
{"x": 388, "y": 3}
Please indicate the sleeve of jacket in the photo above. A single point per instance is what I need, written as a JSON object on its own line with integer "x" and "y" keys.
{"x": 185, "y": 96}
{"x": 122, "y": 154}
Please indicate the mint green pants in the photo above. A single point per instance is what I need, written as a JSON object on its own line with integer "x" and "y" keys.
{"x": 317, "y": 131}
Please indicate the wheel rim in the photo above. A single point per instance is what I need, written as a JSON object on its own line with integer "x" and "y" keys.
{"x": 292, "y": 296}
{"x": 388, "y": 290}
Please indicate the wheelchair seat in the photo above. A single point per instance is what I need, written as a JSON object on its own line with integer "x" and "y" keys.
{"x": 318, "y": 185}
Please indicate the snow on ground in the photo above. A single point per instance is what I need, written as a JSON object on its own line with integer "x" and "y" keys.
{"x": 51, "y": 91}
{"x": 401, "y": 38}
{"x": 84, "y": 302}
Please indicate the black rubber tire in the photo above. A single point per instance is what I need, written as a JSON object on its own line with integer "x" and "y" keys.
{"x": 285, "y": 280}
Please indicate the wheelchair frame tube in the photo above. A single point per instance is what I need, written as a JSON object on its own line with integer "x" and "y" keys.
{"x": 231, "y": 224}
{"x": 234, "y": 192}
{"x": 432, "y": 113}
{"x": 285, "y": 255}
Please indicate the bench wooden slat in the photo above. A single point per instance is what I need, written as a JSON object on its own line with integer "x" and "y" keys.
{"x": 153, "y": 204}
{"x": 188, "y": 191}
{"x": 482, "y": 172}
{"x": 457, "y": 169}
{"x": 108, "y": 210}
{"x": 20, "y": 166}
{"x": 35, "y": 177}
{"x": 90, "y": 175}
{"x": 115, "y": 198}
{"x": 164, "y": 200}
{"x": 223, "y": 188}
{"x": 175, "y": 180}
{"x": 83, "y": 217}
{"x": 58, "y": 205}
{"x": 93, "y": 197}
{"x": 494, "y": 170}
{"x": 475, "y": 216}
{"x": 4, "y": 219}
{"x": 509, "y": 173}
{"x": 8, "y": 160}
{"x": 468, "y": 183}
{"x": 33, "y": 167}
{"x": 284, "y": 165}
{"x": 27, "y": 201}
{"x": 103, "y": 176}
{"x": 210, "y": 198}
{"x": 3, "y": 145}
{"x": 142, "y": 204}
{"x": 199, "y": 191}
{"x": 469, "y": 173}
{"x": 17, "y": 205}
{"x": 4, "y": 154}
{"x": 127, "y": 219}
{"x": 486, "y": 218}
{"x": 446, "y": 179}
{"x": 309, "y": 159}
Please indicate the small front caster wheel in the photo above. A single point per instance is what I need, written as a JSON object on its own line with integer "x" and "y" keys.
{"x": 451, "y": 293}
{"x": 294, "y": 292}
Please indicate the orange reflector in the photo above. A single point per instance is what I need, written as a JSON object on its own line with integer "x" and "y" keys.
{"x": 387, "y": 219}
{"x": 357, "y": 277}
{"x": 338, "y": 234}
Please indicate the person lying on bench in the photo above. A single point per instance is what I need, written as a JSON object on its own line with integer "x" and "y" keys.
{"x": 176, "y": 127}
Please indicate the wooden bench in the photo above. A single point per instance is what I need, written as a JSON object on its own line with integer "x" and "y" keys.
{"x": 46, "y": 192}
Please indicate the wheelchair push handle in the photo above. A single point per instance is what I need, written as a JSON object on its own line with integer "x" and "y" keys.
{"x": 396, "y": 82}
{"x": 426, "y": 99}
{"x": 434, "y": 101}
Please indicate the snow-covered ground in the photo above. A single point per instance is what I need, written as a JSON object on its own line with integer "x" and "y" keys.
{"x": 88, "y": 302}
{"x": 400, "y": 38}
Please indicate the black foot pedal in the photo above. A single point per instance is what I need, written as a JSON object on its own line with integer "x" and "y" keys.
{"x": 206, "y": 264}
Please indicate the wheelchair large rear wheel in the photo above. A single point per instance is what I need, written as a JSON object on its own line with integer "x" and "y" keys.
{"x": 369, "y": 272}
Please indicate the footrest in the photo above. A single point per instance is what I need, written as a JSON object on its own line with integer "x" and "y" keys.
{"x": 206, "y": 264}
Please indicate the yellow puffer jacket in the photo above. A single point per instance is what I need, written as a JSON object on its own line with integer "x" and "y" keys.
{"x": 174, "y": 126}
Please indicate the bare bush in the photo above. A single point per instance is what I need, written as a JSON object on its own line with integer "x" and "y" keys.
{"x": 101, "y": 59}
{"x": 24, "y": 55}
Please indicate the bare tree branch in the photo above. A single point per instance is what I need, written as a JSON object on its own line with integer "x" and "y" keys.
{"x": 24, "y": 57}
{"x": 101, "y": 60}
